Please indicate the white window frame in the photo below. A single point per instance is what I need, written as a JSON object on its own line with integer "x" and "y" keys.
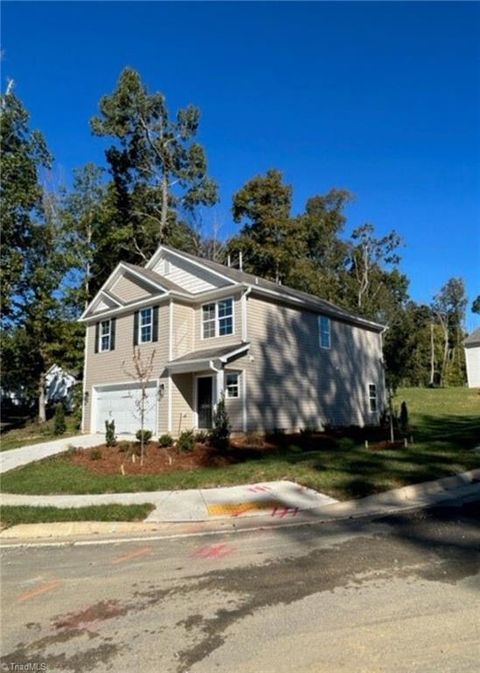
{"x": 148, "y": 324}
{"x": 216, "y": 319}
{"x": 372, "y": 398}
{"x": 236, "y": 385}
{"x": 101, "y": 336}
{"x": 322, "y": 332}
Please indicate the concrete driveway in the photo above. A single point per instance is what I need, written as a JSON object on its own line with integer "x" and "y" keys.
{"x": 27, "y": 454}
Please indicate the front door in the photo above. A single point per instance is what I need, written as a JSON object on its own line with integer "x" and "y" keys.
{"x": 205, "y": 401}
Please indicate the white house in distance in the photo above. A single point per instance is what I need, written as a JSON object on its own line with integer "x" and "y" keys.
{"x": 472, "y": 359}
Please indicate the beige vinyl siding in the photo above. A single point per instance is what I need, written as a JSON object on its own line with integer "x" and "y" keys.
{"x": 128, "y": 288}
{"x": 293, "y": 383}
{"x": 182, "y": 403}
{"x": 109, "y": 367}
{"x": 183, "y": 325}
{"x": 103, "y": 306}
{"x": 219, "y": 341}
{"x": 472, "y": 359}
{"x": 190, "y": 277}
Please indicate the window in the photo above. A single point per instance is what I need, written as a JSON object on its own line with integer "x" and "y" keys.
{"x": 232, "y": 388}
{"x": 217, "y": 318}
{"x": 208, "y": 320}
{"x": 105, "y": 335}
{"x": 145, "y": 325}
{"x": 372, "y": 397}
{"x": 324, "y": 330}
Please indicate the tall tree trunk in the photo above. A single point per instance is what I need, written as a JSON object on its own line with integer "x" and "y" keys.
{"x": 42, "y": 412}
{"x": 164, "y": 212}
{"x": 445, "y": 353}
{"x": 432, "y": 354}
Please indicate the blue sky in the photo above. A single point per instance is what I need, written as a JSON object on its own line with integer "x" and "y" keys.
{"x": 381, "y": 98}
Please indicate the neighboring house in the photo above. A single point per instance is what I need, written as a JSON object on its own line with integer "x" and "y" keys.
{"x": 472, "y": 359}
{"x": 282, "y": 358}
{"x": 59, "y": 385}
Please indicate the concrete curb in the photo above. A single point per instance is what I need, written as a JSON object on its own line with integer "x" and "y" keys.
{"x": 465, "y": 485}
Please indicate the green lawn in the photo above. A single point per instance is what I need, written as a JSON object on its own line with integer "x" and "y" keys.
{"x": 446, "y": 426}
{"x": 35, "y": 433}
{"x": 13, "y": 515}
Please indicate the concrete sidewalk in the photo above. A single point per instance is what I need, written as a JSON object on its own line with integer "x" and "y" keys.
{"x": 212, "y": 511}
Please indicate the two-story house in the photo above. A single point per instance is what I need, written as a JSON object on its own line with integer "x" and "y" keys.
{"x": 282, "y": 358}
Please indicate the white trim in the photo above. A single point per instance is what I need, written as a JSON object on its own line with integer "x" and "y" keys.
{"x": 231, "y": 354}
{"x": 320, "y": 331}
{"x": 84, "y": 382}
{"x": 239, "y": 385}
{"x": 156, "y": 256}
{"x": 87, "y": 309}
{"x": 126, "y": 308}
{"x": 170, "y": 404}
{"x": 100, "y": 348}
{"x": 244, "y": 313}
{"x": 158, "y": 286}
{"x": 170, "y": 330}
{"x": 244, "y": 400}
{"x": 372, "y": 397}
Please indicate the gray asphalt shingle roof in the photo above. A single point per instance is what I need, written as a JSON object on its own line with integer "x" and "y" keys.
{"x": 211, "y": 353}
{"x": 473, "y": 339}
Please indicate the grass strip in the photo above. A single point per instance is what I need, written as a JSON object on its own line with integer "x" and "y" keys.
{"x": 11, "y": 515}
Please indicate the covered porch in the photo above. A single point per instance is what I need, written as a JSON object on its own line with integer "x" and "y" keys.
{"x": 197, "y": 382}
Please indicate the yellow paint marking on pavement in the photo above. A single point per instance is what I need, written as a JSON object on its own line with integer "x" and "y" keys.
{"x": 237, "y": 508}
{"x": 134, "y": 554}
{"x": 49, "y": 586}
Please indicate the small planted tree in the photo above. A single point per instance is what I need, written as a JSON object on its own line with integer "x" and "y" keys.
{"x": 110, "y": 437}
{"x": 141, "y": 374}
{"x": 220, "y": 433}
{"x": 403, "y": 419}
{"x": 59, "y": 425}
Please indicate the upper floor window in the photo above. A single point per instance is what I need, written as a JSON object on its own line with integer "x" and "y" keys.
{"x": 145, "y": 325}
{"x": 324, "y": 331}
{"x": 105, "y": 335}
{"x": 232, "y": 387}
{"x": 372, "y": 397}
{"x": 217, "y": 318}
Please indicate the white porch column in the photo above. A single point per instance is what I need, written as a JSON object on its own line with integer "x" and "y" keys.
{"x": 219, "y": 385}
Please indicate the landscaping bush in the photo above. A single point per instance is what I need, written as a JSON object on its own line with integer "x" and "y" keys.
{"x": 220, "y": 434}
{"x": 110, "y": 437}
{"x": 346, "y": 443}
{"x": 124, "y": 446}
{"x": 254, "y": 439}
{"x": 96, "y": 453}
{"x": 59, "y": 425}
{"x": 403, "y": 420}
{"x": 201, "y": 437}
{"x": 308, "y": 431}
{"x": 165, "y": 440}
{"x": 186, "y": 441}
{"x": 144, "y": 435}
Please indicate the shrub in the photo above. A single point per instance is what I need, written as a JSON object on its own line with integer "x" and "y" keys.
{"x": 346, "y": 443}
{"x": 124, "y": 446}
{"x": 165, "y": 440}
{"x": 220, "y": 434}
{"x": 144, "y": 435}
{"x": 403, "y": 419}
{"x": 201, "y": 436}
{"x": 186, "y": 441}
{"x": 110, "y": 436}
{"x": 308, "y": 431}
{"x": 59, "y": 425}
{"x": 96, "y": 453}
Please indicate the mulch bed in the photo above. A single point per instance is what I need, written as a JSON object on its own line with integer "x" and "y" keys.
{"x": 156, "y": 461}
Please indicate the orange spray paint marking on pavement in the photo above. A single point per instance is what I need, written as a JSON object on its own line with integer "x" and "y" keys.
{"x": 49, "y": 586}
{"x": 134, "y": 554}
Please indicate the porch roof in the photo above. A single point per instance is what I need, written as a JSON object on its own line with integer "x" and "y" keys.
{"x": 204, "y": 359}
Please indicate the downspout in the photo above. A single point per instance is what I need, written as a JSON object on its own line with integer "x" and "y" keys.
{"x": 245, "y": 313}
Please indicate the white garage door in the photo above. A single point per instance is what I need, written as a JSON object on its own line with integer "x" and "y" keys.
{"x": 121, "y": 404}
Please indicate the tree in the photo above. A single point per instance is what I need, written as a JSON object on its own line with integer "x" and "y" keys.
{"x": 476, "y": 305}
{"x": 265, "y": 240}
{"x": 159, "y": 171}
{"x": 141, "y": 374}
{"x": 23, "y": 154}
{"x": 448, "y": 308}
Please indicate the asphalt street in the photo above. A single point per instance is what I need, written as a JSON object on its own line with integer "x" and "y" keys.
{"x": 400, "y": 594}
